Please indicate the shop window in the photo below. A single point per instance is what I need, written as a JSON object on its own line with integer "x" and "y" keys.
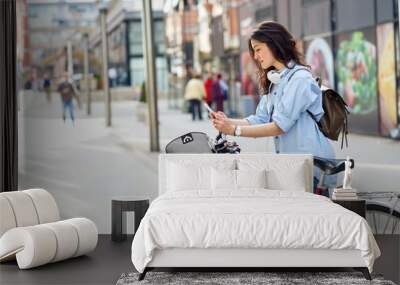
{"x": 159, "y": 37}
{"x": 137, "y": 71}
{"x": 135, "y": 38}
{"x": 162, "y": 74}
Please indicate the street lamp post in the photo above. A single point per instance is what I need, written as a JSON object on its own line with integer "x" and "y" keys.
{"x": 70, "y": 60}
{"x": 86, "y": 72}
{"x": 151, "y": 84}
{"x": 106, "y": 88}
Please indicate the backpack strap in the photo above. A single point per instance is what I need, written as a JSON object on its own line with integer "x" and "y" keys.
{"x": 311, "y": 114}
{"x": 345, "y": 126}
{"x": 344, "y": 133}
{"x": 313, "y": 117}
{"x": 301, "y": 68}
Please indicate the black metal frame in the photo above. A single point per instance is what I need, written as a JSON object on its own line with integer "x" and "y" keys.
{"x": 8, "y": 98}
{"x": 363, "y": 270}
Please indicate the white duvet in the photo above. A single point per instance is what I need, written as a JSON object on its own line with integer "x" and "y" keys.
{"x": 250, "y": 219}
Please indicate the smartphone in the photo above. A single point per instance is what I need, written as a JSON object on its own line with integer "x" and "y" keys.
{"x": 208, "y": 107}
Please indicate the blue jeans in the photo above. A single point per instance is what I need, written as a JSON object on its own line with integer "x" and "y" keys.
{"x": 195, "y": 107}
{"x": 68, "y": 105}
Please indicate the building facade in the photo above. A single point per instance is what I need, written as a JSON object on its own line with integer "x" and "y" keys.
{"x": 124, "y": 35}
{"x": 52, "y": 23}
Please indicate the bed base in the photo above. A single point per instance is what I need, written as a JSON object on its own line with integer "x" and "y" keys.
{"x": 240, "y": 260}
{"x": 363, "y": 270}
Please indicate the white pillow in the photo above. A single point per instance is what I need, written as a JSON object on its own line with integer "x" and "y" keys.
{"x": 251, "y": 178}
{"x": 223, "y": 179}
{"x": 292, "y": 180}
{"x": 231, "y": 180}
{"x": 194, "y": 174}
{"x": 282, "y": 174}
{"x": 188, "y": 177}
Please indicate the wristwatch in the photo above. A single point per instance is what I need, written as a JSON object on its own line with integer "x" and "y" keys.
{"x": 238, "y": 131}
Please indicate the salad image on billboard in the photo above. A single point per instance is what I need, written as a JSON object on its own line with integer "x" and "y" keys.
{"x": 356, "y": 72}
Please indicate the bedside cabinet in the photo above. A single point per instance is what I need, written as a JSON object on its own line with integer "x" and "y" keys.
{"x": 357, "y": 206}
{"x": 119, "y": 206}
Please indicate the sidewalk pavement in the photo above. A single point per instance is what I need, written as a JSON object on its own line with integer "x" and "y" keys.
{"x": 85, "y": 164}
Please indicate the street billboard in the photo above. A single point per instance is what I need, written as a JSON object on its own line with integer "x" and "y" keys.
{"x": 386, "y": 77}
{"x": 320, "y": 57}
{"x": 357, "y": 78}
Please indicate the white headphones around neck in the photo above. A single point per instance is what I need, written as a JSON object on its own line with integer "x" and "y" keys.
{"x": 274, "y": 76}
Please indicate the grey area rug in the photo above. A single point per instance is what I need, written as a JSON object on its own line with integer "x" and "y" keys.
{"x": 229, "y": 278}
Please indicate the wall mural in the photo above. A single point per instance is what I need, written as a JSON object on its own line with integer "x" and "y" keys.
{"x": 356, "y": 73}
{"x": 319, "y": 56}
{"x": 386, "y": 78}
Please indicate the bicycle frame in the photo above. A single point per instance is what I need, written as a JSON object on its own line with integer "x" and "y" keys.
{"x": 388, "y": 209}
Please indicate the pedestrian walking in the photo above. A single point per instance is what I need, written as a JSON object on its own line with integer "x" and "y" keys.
{"x": 217, "y": 94}
{"x": 195, "y": 93}
{"x": 208, "y": 86}
{"x": 68, "y": 92}
{"x": 47, "y": 87}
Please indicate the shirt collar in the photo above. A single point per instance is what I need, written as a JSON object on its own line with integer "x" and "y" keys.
{"x": 291, "y": 65}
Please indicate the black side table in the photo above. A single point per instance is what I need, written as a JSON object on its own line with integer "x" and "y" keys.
{"x": 357, "y": 206}
{"x": 119, "y": 207}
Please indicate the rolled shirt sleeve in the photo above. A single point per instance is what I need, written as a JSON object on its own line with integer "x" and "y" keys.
{"x": 298, "y": 96}
{"x": 261, "y": 116}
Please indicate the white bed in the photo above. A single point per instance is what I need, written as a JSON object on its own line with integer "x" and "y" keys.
{"x": 247, "y": 227}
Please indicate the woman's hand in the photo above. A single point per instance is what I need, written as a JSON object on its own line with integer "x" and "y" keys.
{"x": 222, "y": 124}
{"x": 218, "y": 114}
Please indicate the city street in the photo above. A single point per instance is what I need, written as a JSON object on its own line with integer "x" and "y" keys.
{"x": 85, "y": 164}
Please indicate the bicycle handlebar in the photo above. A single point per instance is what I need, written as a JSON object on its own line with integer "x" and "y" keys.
{"x": 331, "y": 166}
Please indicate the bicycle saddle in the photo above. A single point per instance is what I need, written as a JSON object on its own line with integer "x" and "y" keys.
{"x": 331, "y": 166}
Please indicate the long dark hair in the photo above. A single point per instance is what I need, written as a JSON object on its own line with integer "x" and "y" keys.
{"x": 282, "y": 46}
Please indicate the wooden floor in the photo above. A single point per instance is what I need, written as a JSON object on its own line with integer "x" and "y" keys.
{"x": 111, "y": 259}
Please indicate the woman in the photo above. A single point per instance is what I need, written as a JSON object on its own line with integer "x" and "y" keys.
{"x": 282, "y": 111}
{"x": 195, "y": 93}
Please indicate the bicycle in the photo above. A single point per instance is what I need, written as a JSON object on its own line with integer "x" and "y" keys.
{"x": 383, "y": 216}
{"x": 198, "y": 142}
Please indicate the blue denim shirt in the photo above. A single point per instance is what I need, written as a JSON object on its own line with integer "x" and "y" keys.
{"x": 288, "y": 103}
